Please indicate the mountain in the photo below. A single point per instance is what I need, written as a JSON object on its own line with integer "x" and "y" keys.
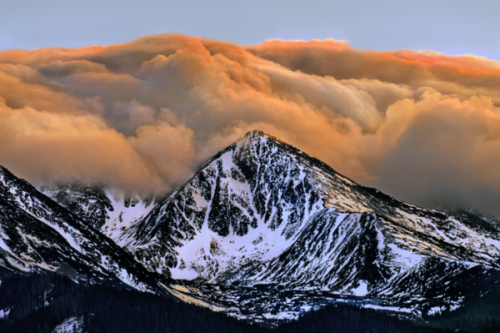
{"x": 37, "y": 235}
{"x": 261, "y": 232}
{"x": 266, "y": 232}
{"x": 109, "y": 211}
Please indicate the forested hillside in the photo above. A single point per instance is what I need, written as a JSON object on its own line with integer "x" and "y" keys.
{"x": 38, "y": 303}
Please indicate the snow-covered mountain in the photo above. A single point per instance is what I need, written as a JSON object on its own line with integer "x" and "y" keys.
{"x": 37, "y": 234}
{"x": 262, "y": 218}
{"x": 262, "y": 231}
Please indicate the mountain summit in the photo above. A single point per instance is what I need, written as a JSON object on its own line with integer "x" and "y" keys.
{"x": 263, "y": 214}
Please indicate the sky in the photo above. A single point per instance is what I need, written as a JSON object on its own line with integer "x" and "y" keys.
{"x": 451, "y": 27}
{"x": 141, "y": 113}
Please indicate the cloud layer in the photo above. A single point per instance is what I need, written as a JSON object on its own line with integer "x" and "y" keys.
{"x": 141, "y": 116}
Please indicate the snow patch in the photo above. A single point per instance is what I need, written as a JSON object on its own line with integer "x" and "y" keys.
{"x": 435, "y": 310}
{"x": 192, "y": 300}
{"x": 4, "y": 313}
{"x": 71, "y": 325}
{"x": 361, "y": 290}
{"x": 123, "y": 217}
{"x": 282, "y": 315}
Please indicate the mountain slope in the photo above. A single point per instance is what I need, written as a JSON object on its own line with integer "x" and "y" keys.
{"x": 38, "y": 234}
{"x": 108, "y": 211}
{"x": 261, "y": 212}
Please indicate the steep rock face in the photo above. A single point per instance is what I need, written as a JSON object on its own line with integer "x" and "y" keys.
{"x": 263, "y": 212}
{"x": 36, "y": 233}
{"x": 28, "y": 246}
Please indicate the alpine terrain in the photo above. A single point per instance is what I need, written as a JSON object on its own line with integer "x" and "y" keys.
{"x": 37, "y": 234}
{"x": 262, "y": 232}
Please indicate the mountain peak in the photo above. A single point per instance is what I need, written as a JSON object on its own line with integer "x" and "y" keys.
{"x": 4, "y": 171}
{"x": 255, "y": 135}
{"x": 261, "y": 212}
{"x": 8, "y": 179}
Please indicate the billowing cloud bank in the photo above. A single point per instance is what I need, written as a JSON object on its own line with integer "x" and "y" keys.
{"x": 419, "y": 125}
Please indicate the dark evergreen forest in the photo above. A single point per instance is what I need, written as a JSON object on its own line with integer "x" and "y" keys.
{"x": 38, "y": 303}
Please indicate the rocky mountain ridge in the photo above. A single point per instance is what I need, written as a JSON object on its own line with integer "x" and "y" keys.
{"x": 37, "y": 234}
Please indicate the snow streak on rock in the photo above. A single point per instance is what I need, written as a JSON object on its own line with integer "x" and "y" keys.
{"x": 71, "y": 325}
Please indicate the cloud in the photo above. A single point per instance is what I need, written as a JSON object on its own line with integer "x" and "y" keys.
{"x": 446, "y": 151}
{"x": 44, "y": 146}
{"x": 141, "y": 116}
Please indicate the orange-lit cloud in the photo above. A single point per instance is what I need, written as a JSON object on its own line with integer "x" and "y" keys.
{"x": 141, "y": 116}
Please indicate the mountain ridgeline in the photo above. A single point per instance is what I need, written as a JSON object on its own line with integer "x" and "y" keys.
{"x": 37, "y": 234}
{"x": 261, "y": 232}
